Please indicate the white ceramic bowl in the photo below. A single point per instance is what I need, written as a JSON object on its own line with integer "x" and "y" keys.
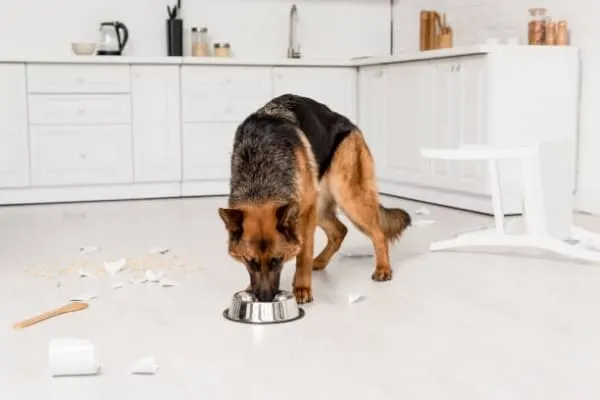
{"x": 83, "y": 48}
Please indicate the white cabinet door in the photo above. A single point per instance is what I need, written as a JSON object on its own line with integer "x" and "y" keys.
{"x": 409, "y": 118}
{"x": 474, "y": 115}
{"x": 371, "y": 113}
{"x": 460, "y": 104}
{"x": 14, "y": 147}
{"x": 156, "y": 123}
{"x": 333, "y": 86}
{"x": 207, "y": 150}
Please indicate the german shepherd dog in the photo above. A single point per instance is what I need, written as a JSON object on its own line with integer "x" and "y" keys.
{"x": 294, "y": 162}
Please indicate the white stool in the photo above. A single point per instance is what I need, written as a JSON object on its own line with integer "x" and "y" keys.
{"x": 548, "y": 181}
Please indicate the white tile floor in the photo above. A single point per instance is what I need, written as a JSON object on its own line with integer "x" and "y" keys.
{"x": 451, "y": 325}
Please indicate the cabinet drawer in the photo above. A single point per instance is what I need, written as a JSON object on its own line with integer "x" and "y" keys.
{"x": 79, "y": 109}
{"x": 51, "y": 78}
{"x": 223, "y": 94}
{"x": 74, "y": 155}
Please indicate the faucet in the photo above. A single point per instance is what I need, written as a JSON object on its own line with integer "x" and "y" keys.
{"x": 293, "y": 47}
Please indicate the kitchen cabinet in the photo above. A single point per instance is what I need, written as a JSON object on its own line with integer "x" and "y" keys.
{"x": 459, "y": 101}
{"x": 91, "y": 128}
{"x": 334, "y": 87}
{"x": 372, "y": 111}
{"x": 215, "y": 100}
{"x": 223, "y": 94}
{"x": 409, "y": 122}
{"x": 156, "y": 123}
{"x": 397, "y": 120}
{"x": 424, "y": 104}
{"x": 207, "y": 150}
{"x": 80, "y": 155}
{"x": 14, "y": 143}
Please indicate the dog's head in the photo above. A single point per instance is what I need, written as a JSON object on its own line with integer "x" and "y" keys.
{"x": 263, "y": 238}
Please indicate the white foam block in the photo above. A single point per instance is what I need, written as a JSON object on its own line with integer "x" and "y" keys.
{"x": 71, "y": 356}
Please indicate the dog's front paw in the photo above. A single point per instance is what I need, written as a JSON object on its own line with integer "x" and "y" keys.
{"x": 382, "y": 274}
{"x": 303, "y": 295}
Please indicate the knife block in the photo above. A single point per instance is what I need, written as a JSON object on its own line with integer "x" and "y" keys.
{"x": 444, "y": 39}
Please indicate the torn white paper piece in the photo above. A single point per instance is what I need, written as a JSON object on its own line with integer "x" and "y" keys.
{"x": 137, "y": 281}
{"x": 423, "y": 211}
{"x": 159, "y": 250}
{"x": 151, "y": 276}
{"x": 112, "y": 267}
{"x": 84, "y": 297}
{"x": 72, "y": 356}
{"x": 423, "y": 222}
{"x": 167, "y": 282}
{"x": 145, "y": 366}
{"x": 356, "y": 298}
{"x": 86, "y": 274}
{"x": 88, "y": 249}
{"x": 117, "y": 285}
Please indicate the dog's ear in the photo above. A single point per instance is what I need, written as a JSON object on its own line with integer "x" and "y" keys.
{"x": 233, "y": 220}
{"x": 287, "y": 219}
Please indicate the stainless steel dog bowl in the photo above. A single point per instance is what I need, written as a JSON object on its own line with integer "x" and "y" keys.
{"x": 247, "y": 309}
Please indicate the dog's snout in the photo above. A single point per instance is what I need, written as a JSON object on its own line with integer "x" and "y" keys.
{"x": 265, "y": 295}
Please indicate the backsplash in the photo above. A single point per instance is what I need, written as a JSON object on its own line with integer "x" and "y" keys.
{"x": 255, "y": 28}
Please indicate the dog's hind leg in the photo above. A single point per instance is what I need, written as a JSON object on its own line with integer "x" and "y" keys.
{"x": 334, "y": 228}
{"x": 352, "y": 181}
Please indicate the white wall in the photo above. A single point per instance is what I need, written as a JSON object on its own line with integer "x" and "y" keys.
{"x": 474, "y": 21}
{"x": 255, "y": 28}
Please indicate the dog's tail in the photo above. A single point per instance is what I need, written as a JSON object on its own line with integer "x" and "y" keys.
{"x": 393, "y": 222}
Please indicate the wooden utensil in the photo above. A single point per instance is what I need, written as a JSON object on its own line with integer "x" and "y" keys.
{"x": 423, "y": 17}
{"x": 71, "y": 307}
{"x": 434, "y": 23}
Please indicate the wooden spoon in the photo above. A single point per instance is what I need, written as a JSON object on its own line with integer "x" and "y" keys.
{"x": 71, "y": 307}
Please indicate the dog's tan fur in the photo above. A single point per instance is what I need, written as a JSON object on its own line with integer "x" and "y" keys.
{"x": 264, "y": 229}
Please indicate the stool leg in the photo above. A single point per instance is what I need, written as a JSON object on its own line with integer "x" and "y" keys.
{"x": 496, "y": 196}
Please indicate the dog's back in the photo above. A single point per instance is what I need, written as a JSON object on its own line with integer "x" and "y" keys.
{"x": 263, "y": 164}
{"x": 264, "y": 161}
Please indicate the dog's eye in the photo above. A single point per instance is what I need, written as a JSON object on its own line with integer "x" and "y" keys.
{"x": 253, "y": 265}
{"x": 275, "y": 262}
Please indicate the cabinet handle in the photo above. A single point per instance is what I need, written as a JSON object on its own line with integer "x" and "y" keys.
{"x": 457, "y": 67}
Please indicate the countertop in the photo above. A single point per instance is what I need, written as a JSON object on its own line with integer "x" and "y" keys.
{"x": 283, "y": 62}
{"x": 301, "y": 62}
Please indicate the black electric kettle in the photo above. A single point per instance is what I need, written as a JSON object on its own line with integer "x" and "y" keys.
{"x": 113, "y": 38}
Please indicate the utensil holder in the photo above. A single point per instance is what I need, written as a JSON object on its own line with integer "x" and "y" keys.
{"x": 444, "y": 40}
{"x": 175, "y": 37}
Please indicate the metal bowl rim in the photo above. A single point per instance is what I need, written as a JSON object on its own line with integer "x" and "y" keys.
{"x": 300, "y": 315}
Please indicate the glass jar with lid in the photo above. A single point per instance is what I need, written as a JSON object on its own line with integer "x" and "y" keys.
{"x": 536, "y": 27}
{"x": 200, "y": 42}
{"x": 222, "y": 49}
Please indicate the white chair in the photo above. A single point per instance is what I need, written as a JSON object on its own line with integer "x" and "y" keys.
{"x": 548, "y": 181}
